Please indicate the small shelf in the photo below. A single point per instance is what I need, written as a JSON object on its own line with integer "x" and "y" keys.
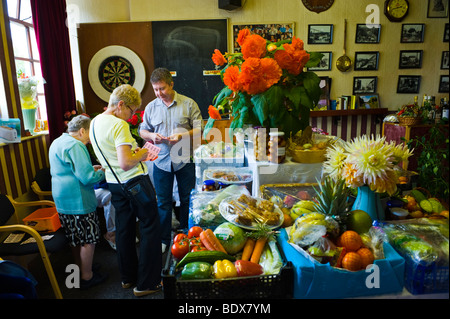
{"x": 349, "y": 112}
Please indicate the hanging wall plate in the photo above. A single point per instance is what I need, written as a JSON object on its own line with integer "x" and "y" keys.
{"x": 113, "y": 66}
{"x": 317, "y": 5}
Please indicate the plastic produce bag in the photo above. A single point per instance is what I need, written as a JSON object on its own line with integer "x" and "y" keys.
{"x": 271, "y": 258}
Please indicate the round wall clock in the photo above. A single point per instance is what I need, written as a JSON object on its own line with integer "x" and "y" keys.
{"x": 317, "y": 5}
{"x": 113, "y": 66}
{"x": 396, "y": 10}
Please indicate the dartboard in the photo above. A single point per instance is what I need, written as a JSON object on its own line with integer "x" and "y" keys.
{"x": 115, "y": 71}
{"x": 113, "y": 66}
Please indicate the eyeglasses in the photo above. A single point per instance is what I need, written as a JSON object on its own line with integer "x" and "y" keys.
{"x": 132, "y": 111}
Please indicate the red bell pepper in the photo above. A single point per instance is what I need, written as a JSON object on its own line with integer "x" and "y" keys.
{"x": 246, "y": 268}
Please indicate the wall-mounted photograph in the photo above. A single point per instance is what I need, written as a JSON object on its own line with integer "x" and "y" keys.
{"x": 443, "y": 84}
{"x": 368, "y": 33}
{"x": 408, "y": 84}
{"x": 320, "y": 34}
{"x": 273, "y": 32}
{"x": 366, "y": 61}
{"x": 437, "y": 9}
{"x": 324, "y": 64}
{"x": 446, "y": 32}
{"x": 364, "y": 85}
{"x": 412, "y": 33}
{"x": 444, "y": 60}
{"x": 410, "y": 59}
{"x": 370, "y": 101}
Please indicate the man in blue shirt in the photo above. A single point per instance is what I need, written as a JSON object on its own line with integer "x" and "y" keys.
{"x": 170, "y": 121}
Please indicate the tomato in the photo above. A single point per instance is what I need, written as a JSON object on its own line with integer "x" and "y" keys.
{"x": 180, "y": 249}
{"x": 179, "y": 237}
{"x": 198, "y": 248}
{"x": 194, "y": 231}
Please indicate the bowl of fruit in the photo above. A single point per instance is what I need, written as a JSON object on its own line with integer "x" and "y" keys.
{"x": 308, "y": 147}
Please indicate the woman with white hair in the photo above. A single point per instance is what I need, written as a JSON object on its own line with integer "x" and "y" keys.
{"x": 73, "y": 180}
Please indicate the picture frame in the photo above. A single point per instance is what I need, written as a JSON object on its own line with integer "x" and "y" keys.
{"x": 364, "y": 85}
{"x": 320, "y": 34}
{"x": 446, "y": 33}
{"x": 412, "y": 33}
{"x": 408, "y": 84}
{"x": 437, "y": 9}
{"x": 410, "y": 59}
{"x": 270, "y": 31}
{"x": 369, "y": 101}
{"x": 444, "y": 60}
{"x": 325, "y": 63}
{"x": 325, "y": 86}
{"x": 368, "y": 33}
{"x": 366, "y": 61}
{"x": 444, "y": 84}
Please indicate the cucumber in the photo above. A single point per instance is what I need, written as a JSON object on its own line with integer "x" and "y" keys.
{"x": 418, "y": 195}
{"x": 208, "y": 256}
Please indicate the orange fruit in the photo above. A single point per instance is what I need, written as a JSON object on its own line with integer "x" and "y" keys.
{"x": 444, "y": 213}
{"x": 367, "y": 257}
{"x": 416, "y": 214}
{"x": 352, "y": 261}
{"x": 288, "y": 221}
{"x": 351, "y": 240}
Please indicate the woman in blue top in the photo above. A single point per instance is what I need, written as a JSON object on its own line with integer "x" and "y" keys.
{"x": 73, "y": 180}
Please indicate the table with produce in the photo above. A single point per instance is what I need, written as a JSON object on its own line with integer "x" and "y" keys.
{"x": 306, "y": 241}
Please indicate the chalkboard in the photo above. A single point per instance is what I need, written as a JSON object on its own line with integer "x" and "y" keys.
{"x": 186, "y": 47}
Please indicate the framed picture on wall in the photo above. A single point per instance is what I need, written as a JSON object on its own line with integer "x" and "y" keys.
{"x": 369, "y": 101}
{"x": 320, "y": 34}
{"x": 446, "y": 33}
{"x": 408, "y": 84}
{"x": 437, "y": 9}
{"x": 410, "y": 59}
{"x": 364, "y": 85}
{"x": 272, "y": 31}
{"x": 368, "y": 33}
{"x": 325, "y": 86}
{"x": 324, "y": 64}
{"x": 412, "y": 33}
{"x": 444, "y": 60}
{"x": 366, "y": 61}
{"x": 443, "y": 84}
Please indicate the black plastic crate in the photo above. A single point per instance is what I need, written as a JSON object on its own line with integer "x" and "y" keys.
{"x": 279, "y": 286}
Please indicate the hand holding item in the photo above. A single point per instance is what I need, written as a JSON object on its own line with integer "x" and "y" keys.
{"x": 158, "y": 138}
{"x": 174, "y": 138}
{"x": 98, "y": 167}
{"x": 153, "y": 151}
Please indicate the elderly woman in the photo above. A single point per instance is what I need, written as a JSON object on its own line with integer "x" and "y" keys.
{"x": 118, "y": 153}
{"x": 73, "y": 180}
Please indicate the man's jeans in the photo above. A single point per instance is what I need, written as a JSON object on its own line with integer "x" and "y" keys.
{"x": 164, "y": 191}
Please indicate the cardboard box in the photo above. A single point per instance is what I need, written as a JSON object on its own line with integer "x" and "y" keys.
{"x": 10, "y": 131}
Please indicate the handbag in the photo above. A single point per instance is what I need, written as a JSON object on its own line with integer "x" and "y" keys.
{"x": 134, "y": 189}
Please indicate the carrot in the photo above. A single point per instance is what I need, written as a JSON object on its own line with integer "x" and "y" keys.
{"x": 210, "y": 241}
{"x": 257, "y": 251}
{"x": 248, "y": 249}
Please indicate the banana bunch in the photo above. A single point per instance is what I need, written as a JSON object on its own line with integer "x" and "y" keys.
{"x": 302, "y": 207}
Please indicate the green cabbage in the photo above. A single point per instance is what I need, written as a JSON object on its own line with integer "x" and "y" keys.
{"x": 231, "y": 237}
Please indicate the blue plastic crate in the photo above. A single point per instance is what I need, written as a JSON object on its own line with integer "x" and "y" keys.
{"x": 425, "y": 278}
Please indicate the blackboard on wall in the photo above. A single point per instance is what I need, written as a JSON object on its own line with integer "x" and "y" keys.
{"x": 186, "y": 47}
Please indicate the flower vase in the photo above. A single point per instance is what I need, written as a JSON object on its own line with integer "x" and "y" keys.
{"x": 29, "y": 119}
{"x": 369, "y": 201}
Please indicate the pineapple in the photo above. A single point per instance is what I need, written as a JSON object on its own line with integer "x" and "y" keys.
{"x": 332, "y": 200}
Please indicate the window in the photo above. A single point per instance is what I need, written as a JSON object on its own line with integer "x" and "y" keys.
{"x": 26, "y": 54}
{"x": 3, "y": 109}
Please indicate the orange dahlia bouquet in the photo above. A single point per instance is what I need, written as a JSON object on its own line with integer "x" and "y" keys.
{"x": 266, "y": 85}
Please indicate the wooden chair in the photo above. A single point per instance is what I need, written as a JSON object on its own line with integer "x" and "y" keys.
{"x": 42, "y": 184}
{"x": 56, "y": 243}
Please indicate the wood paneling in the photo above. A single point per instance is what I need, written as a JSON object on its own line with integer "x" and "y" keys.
{"x": 20, "y": 162}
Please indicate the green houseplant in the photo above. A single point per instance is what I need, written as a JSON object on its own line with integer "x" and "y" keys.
{"x": 432, "y": 160}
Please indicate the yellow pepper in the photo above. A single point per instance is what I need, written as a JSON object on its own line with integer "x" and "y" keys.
{"x": 224, "y": 269}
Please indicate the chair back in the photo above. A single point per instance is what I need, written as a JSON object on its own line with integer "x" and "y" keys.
{"x": 44, "y": 179}
{"x": 6, "y": 209}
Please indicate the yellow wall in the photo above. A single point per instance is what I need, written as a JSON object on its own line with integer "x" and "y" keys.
{"x": 284, "y": 11}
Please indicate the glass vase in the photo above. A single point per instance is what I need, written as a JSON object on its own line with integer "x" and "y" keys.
{"x": 29, "y": 119}
{"x": 369, "y": 201}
